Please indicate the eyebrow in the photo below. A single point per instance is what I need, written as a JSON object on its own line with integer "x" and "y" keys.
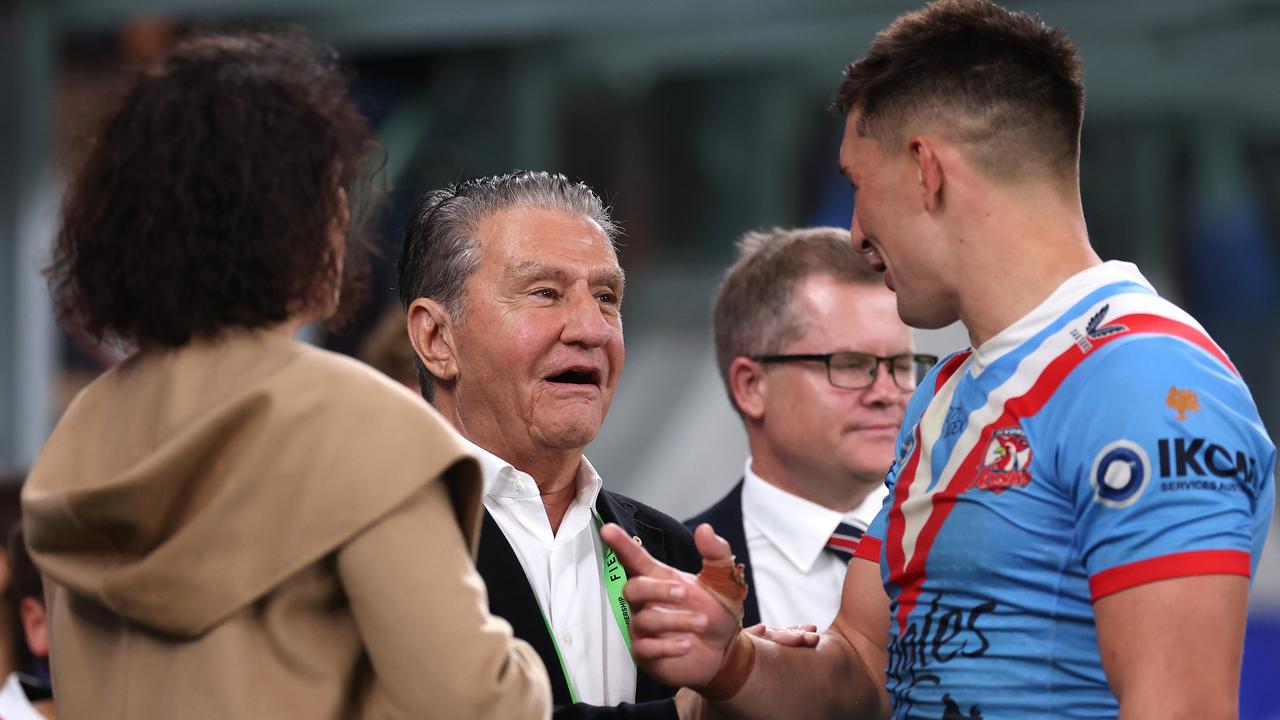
{"x": 532, "y": 270}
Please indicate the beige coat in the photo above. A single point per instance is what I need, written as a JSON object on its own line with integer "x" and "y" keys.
{"x": 255, "y": 528}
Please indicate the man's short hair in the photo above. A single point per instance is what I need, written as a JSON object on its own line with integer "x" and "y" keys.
{"x": 753, "y": 308}
{"x": 440, "y": 252}
{"x": 1002, "y": 84}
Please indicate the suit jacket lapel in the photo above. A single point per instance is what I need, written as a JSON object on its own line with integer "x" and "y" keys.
{"x": 617, "y": 510}
{"x": 511, "y": 598}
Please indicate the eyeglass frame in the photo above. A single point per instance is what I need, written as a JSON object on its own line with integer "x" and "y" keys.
{"x": 825, "y": 359}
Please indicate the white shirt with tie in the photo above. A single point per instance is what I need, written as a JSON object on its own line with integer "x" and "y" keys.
{"x": 565, "y": 571}
{"x": 795, "y": 580}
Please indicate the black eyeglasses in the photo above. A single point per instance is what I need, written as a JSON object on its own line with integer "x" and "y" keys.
{"x": 855, "y": 370}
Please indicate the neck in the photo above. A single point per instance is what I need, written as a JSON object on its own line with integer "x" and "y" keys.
{"x": 1036, "y": 238}
{"x": 45, "y": 708}
{"x": 555, "y": 471}
{"x": 841, "y": 493}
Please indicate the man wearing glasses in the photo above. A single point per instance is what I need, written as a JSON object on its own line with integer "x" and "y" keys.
{"x": 819, "y": 367}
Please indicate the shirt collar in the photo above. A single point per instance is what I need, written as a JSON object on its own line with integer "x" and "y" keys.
{"x": 503, "y": 480}
{"x": 1067, "y": 294}
{"x": 799, "y": 528}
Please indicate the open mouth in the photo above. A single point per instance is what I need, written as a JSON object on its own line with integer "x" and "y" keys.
{"x": 577, "y": 376}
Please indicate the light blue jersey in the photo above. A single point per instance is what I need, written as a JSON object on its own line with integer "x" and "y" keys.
{"x": 1101, "y": 442}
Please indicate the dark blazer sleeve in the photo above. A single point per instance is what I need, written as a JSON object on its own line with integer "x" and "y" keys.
{"x": 726, "y": 517}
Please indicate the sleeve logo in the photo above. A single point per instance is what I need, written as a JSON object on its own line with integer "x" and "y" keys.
{"x": 1120, "y": 473}
{"x": 1095, "y": 330}
{"x": 1182, "y": 402}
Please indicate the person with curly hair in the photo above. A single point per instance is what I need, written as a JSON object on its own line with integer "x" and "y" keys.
{"x": 234, "y": 523}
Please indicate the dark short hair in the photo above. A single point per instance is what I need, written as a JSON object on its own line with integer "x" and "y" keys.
{"x": 1002, "y": 84}
{"x": 207, "y": 199}
{"x": 440, "y": 252}
{"x": 24, "y": 582}
{"x": 753, "y": 310}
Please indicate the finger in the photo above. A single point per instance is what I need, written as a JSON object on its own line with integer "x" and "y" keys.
{"x": 660, "y": 648}
{"x": 711, "y": 546}
{"x": 803, "y": 628}
{"x": 794, "y": 636}
{"x": 660, "y": 620}
{"x": 641, "y": 591}
{"x": 634, "y": 558}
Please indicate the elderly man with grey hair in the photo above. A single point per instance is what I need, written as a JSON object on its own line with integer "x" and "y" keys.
{"x": 513, "y": 294}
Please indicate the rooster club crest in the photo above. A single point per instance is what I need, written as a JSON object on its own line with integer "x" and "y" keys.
{"x": 1006, "y": 462}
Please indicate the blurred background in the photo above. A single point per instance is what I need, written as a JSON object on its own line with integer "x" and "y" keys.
{"x": 696, "y": 121}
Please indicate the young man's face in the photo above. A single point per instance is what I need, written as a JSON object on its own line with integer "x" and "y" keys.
{"x": 891, "y": 224}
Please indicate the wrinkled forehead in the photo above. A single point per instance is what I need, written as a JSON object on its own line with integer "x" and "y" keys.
{"x": 520, "y": 237}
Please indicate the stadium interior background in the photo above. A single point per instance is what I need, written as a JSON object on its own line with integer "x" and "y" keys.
{"x": 696, "y": 121}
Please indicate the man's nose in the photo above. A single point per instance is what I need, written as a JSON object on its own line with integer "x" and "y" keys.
{"x": 883, "y": 389}
{"x": 585, "y": 322}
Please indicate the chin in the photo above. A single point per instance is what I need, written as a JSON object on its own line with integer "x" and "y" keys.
{"x": 570, "y": 433}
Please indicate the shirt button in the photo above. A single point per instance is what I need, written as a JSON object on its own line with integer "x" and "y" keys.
{"x": 567, "y": 637}
{"x": 518, "y": 484}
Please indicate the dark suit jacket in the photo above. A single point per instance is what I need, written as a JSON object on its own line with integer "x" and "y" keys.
{"x": 511, "y": 598}
{"x": 726, "y": 517}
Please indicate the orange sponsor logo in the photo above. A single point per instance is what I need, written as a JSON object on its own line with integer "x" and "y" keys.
{"x": 1182, "y": 401}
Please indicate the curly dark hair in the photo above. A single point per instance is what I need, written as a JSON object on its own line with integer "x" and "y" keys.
{"x": 209, "y": 197}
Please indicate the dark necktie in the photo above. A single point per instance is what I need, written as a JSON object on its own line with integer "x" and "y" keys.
{"x": 844, "y": 541}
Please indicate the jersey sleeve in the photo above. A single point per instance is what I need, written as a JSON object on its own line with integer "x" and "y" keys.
{"x": 1166, "y": 464}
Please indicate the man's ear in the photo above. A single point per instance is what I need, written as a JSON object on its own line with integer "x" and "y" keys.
{"x": 929, "y": 170}
{"x": 431, "y": 335}
{"x": 35, "y": 625}
{"x": 749, "y": 386}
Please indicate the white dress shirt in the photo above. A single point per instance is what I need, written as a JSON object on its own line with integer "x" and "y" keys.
{"x": 14, "y": 704}
{"x": 564, "y": 570}
{"x": 795, "y": 580}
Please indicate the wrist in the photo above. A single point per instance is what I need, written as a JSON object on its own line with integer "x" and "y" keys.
{"x": 735, "y": 667}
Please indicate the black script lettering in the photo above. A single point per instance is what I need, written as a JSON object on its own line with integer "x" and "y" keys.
{"x": 948, "y": 628}
{"x": 974, "y": 614}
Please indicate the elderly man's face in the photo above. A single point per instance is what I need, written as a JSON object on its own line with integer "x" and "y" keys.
{"x": 539, "y": 350}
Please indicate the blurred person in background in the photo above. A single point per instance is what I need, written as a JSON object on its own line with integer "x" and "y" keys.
{"x": 514, "y": 300}
{"x": 26, "y": 694}
{"x": 1078, "y": 502}
{"x": 819, "y": 367}
{"x": 386, "y": 350}
{"x": 234, "y": 523}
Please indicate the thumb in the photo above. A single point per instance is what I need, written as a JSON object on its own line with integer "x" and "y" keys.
{"x": 714, "y": 549}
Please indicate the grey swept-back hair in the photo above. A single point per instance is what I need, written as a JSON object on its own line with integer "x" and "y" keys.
{"x": 440, "y": 251}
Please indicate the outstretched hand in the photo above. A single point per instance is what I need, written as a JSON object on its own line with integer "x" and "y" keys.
{"x": 679, "y": 629}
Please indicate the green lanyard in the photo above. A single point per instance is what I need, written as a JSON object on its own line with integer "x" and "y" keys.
{"x": 615, "y": 577}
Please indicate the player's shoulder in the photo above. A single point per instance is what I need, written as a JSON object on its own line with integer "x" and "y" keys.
{"x": 1159, "y": 372}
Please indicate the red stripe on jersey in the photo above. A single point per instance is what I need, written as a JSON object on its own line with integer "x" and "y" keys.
{"x": 949, "y": 368}
{"x": 868, "y": 549}
{"x": 1144, "y": 323}
{"x": 1165, "y": 567}
{"x": 910, "y": 577}
{"x": 896, "y": 527}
